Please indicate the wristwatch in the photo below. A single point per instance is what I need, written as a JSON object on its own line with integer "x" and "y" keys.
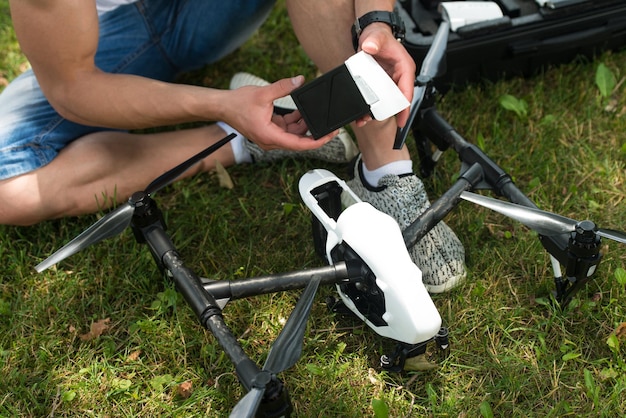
{"x": 393, "y": 19}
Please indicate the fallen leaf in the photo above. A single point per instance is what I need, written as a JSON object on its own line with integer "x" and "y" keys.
{"x": 372, "y": 377}
{"x": 419, "y": 362}
{"x": 620, "y": 331}
{"x": 611, "y": 106}
{"x": 185, "y": 389}
{"x": 96, "y": 330}
{"x": 223, "y": 176}
{"x": 134, "y": 355}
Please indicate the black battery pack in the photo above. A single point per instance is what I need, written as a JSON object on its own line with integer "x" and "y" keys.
{"x": 330, "y": 102}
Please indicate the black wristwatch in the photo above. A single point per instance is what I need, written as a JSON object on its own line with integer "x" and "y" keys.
{"x": 393, "y": 19}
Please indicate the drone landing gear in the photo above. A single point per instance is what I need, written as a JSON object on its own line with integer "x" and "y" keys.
{"x": 405, "y": 357}
{"x": 580, "y": 257}
{"x": 412, "y": 357}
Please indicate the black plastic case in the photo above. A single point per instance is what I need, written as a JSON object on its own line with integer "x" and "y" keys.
{"x": 526, "y": 40}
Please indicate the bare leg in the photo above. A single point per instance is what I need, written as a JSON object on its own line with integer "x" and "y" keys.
{"x": 103, "y": 167}
{"x": 329, "y": 45}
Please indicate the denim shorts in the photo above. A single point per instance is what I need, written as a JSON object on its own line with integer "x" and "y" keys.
{"x": 152, "y": 38}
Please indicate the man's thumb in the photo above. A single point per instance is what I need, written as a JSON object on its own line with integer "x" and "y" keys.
{"x": 287, "y": 85}
{"x": 371, "y": 44}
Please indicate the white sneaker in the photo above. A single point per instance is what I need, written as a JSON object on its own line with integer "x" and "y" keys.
{"x": 247, "y": 79}
{"x": 341, "y": 149}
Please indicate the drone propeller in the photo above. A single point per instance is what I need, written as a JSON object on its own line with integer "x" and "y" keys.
{"x": 285, "y": 351}
{"x": 431, "y": 68}
{"x": 116, "y": 222}
{"x": 544, "y": 223}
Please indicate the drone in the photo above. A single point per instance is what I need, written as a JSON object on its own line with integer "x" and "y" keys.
{"x": 365, "y": 250}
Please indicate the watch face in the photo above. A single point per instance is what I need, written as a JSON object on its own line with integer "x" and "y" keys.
{"x": 330, "y": 102}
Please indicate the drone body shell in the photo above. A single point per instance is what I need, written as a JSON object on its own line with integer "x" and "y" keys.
{"x": 410, "y": 315}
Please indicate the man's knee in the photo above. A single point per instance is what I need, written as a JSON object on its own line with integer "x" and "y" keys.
{"x": 21, "y": 204}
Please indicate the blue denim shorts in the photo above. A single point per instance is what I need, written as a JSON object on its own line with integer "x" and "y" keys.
{"x": 152, "y": 38}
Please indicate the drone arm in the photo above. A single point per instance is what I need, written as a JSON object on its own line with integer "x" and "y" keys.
{"x": 443, "y": 135}
{"x": 579, "y": 256}
{"x": 555, "y": 245}
{"x": 442, "y": 206}
{"x": 242, "y": 288}
{"x": 202, "y": 302}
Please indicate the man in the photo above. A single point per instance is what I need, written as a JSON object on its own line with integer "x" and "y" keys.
{"x": 103, "y": 67}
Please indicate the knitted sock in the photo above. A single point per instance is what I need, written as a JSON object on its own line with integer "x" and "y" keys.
{"x": 241, "y": 153}
{"x": 396, "y": 167}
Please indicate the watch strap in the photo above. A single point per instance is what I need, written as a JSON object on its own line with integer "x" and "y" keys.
{"x": 392, "y": 19}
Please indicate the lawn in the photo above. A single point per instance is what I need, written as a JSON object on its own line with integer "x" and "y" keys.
{"x": 104, "y": 334}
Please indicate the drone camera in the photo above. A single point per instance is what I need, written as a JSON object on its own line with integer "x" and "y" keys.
{"x": 328, "y": 196}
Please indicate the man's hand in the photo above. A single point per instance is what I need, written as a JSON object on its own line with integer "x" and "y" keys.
{"x": 250, "y": 110}
{"x": 378, "y": 41}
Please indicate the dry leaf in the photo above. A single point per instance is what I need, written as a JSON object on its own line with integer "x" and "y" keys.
{"x": 97, "y": 328}
{"x": 134, "y": 355}
{"x": 223, "y": 176}
{"x": 419, "y": 362}
{"x": 620, "y": 331}
{"x": 372, "y": 377}
{"x": 185, "y": 389}
{"x": 611, "y": 106}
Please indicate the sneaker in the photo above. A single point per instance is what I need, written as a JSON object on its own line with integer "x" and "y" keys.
{"x": 439, "y": 255}
{"x": 246, "y": 79}
{"x": 340, "y": 149}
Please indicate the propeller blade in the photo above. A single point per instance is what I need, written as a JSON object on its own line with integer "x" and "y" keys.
{"x": 544, "y": 223}
{"x": 612, "y": 234}
{"x": 287, "y": 348}
{"x": 285, "y": 351}
{"x": 402, "y": 134}
{"x": 117, "y": 221}
{"x": 247, "y": 406}
{"x": 106, "y": 227}
{"x": 168, "y": 177}
{"x": 431, "y": 68}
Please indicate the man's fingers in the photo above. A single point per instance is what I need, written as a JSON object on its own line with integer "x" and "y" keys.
{"x": 293, "y": 117}
{"x": 403, "y": 117}
{"x": 295, "y": 142}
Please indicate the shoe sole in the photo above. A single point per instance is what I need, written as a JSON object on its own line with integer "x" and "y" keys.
{"x": 447, "y": 286}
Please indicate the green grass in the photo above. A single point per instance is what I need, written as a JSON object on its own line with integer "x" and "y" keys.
{"x": 512, "y": 353}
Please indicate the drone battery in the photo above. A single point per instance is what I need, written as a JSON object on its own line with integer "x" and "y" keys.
{"x": 357, "y": 88}
{"x": 530, "y": 36}
{"x": 330, "y": 102}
